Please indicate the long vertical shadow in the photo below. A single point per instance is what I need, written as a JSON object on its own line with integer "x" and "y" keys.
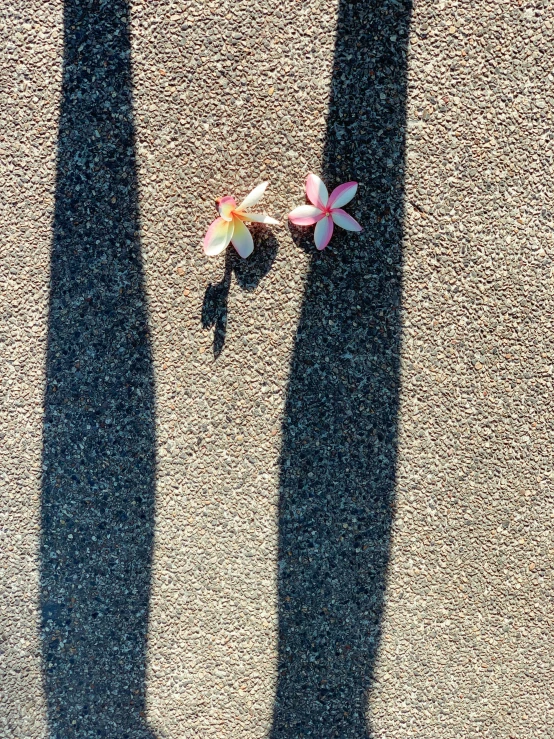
{"x": 338, "y": 461}
{"x": 99, "y": 435}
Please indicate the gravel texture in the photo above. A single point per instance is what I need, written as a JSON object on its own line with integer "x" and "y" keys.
{"x": 302, "y": 495}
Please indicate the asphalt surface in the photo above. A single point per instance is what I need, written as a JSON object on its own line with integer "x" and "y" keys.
{"x": 307, "y": 494}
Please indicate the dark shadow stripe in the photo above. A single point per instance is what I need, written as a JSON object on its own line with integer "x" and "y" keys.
{"x": 338, "y": 462}
{"x": 99, "y": 410}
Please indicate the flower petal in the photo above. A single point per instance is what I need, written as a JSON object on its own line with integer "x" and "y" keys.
{"x": 217, "y": 236}
{"x": 306, "y": 215}
{"x": 242, "y": 239}
{"x": 342, "y": 194}
{"x": 253, "y": 197}
{"x": 316, "y": 191}
{"x": 258, "y": 218}
{"x": 323, "y": 232}
{"x": 226, "y": 206}
{"x": 342, "y": 219}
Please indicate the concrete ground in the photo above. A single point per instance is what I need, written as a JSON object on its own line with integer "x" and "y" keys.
{"x": 305, "y": 495}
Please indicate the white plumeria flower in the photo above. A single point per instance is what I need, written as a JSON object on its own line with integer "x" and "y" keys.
{"x": 325, "y": 210}
{"x": 230, "y": 228}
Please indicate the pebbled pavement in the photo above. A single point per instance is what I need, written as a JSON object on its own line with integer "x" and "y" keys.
{"x": 315, "y": 489}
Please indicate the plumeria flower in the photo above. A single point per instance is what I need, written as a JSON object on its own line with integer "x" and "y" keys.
{"x": 229, "y": 227}
{"x": 325, "y": 210}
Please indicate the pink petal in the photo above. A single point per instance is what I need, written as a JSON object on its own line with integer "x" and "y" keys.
{"x": 253, "y": 197}
{"x": 316, "y": 191}
{"x": 258, "y": 218}
{"x": 342, "y": 194}
{"x": 217, "y": 236}
{"x": 323, "y": 232}
{"x": 306, "y": 215}
{"x": 226, "y": 206}
{"x": 242, "y": 239}
{"x": 342, "y": 219}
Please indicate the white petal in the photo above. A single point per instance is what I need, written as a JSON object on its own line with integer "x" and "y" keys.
{"x": 342, "y": 194}
{"x": 306, "y": 215}
{"x": 242, "y": 239}
{"x": 259, "y": 218}
{"x": 316, "y": 191}
{"x": 217, "y": 237}
{"x": 344, "y": 220}
{"x": 323, "y": 232}
{"x": 253, "y": 197}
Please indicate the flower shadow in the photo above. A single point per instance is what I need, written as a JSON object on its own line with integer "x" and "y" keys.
{"x": 248, "y": 274}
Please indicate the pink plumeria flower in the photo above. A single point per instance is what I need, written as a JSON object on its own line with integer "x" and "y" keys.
{"x": 229, "y": 227}
{"x": 325, "y": 210}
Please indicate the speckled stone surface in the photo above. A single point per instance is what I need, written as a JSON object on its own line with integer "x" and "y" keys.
{"x": 307, "y": 494}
